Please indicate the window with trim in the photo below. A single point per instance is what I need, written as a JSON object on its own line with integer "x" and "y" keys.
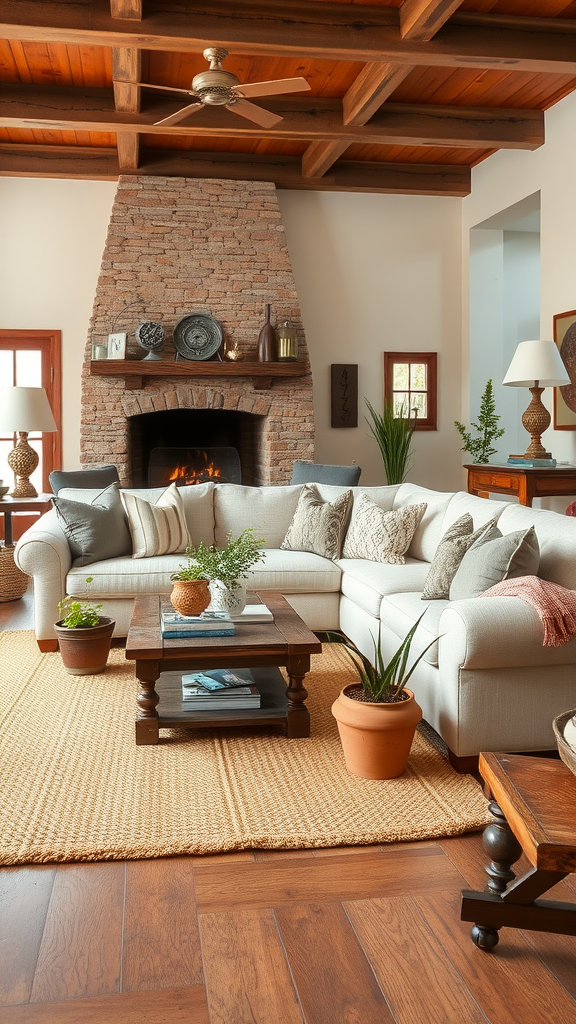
{"x": 31, "y": 359}
{"x": 410, "y": 384}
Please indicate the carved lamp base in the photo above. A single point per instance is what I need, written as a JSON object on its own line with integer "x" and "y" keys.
{"x": 23, "y": 460}
{"x": 536, "y": 420}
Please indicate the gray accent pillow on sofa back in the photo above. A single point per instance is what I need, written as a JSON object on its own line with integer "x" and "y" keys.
{"x": 493, "y": 558}
{"x": 97, "y": 530}
{"x": 457, "y": 540}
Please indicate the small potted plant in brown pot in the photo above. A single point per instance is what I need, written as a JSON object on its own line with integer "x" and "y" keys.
{"x": 377, "y": 716}
{"x": 190, "y": 593}
{"x": 84, "y": 636}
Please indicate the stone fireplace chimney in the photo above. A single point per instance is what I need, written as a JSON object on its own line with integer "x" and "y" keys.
{"x": 178, "y": 246}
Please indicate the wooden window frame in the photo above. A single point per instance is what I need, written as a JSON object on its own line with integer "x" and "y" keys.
{"x": 430, "y": 421}
{"x": 50, "y": 344}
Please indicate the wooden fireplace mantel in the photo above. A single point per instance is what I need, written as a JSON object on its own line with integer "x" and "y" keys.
{"x": 134, "y": 370}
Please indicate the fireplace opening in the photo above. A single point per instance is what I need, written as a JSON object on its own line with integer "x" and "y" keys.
{"x": 193, "y": 466}
{"x": 191, "y": 436}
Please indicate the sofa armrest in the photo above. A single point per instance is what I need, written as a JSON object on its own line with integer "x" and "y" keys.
{"x": 496, "y": 632}
{"x": 43, "y": 553}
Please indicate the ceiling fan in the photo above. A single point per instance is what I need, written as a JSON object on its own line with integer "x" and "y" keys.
{"x": 219, "y": 88}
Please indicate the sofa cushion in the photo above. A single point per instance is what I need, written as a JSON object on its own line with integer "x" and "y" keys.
{"x": 494, "y": 557}
{"x": 292, "y": 572}
{"x": 451, "y": 550}
{"x": 313, "y": 472}
{"x": 268, "y": 510}
{"x": 94, "y": 529}
{"x": 427, "y": 536}
{"x": 366, "y": 582}
{"x": 400, "y": 611}
{"x": 156, "y": 527}
{"x": 318, "y": 525}
{"x": 381, "y": 536}
{"x": 482, "y": 510}
{"x": 556, "y": 538}
{"x": 97, "y": 478}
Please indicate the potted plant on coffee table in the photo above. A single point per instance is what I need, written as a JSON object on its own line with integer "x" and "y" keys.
{"x": 84, "y": 636}
{"x": 190, "y": 594}
{"x": 377, "y": 716}
{"x": 229, "y": 568}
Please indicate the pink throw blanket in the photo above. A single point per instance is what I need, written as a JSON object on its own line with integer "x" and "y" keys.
{"x": 555, "y": 605}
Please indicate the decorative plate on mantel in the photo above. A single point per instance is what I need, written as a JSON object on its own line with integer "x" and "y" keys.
{"x": 197, "y": 336}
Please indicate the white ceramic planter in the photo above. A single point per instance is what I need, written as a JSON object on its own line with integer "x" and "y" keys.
{"x": 225, "y": 600}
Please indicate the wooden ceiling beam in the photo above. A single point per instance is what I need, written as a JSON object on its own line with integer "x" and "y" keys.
{"x": 345, "y": 176}
{"x": 422, "y": 19}
{"x": 126, "y": 70}
{"x": 374, "y": 84}
{"x": 320, "y": 31}
{"x": 316, "y": 120}
{"x": 130, "y": 10}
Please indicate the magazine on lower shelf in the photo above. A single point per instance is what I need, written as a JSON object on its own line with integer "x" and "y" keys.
{"x": 218, "y": 688}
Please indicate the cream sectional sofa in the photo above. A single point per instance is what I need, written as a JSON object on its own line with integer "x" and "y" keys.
{"x": 487, "y": 684}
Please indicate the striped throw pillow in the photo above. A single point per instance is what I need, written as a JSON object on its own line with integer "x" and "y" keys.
{"x": 156, "y": 528}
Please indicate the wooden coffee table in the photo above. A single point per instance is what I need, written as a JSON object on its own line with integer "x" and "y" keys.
{"x": 261, "y": 647}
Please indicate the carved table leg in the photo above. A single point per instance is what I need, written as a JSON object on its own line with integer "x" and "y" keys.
{"x": 147, "y": 731}
{"x": 503, "y": 848}
{"x": 297, "y": 714}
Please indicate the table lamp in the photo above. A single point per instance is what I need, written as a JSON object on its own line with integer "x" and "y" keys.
{"x": 536, "y": 365}
{"x": 23, "y": 410}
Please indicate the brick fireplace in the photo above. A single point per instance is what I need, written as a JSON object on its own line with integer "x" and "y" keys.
{"x": 177, "y": 246}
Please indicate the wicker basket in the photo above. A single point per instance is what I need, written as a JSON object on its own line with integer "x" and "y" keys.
{"x": 13, "y": 582}
{"x": 566, "y": 752}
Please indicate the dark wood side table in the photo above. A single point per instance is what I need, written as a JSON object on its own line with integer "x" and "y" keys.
{"x": 525, "y": 483}
{"x": 534, "y": 810}
{"x": 14, "y": 582}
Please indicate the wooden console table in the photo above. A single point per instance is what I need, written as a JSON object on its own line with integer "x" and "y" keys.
{"x": 534, "y": 812}
{"x": 525, "y": 483}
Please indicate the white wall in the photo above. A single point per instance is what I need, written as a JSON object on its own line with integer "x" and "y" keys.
{"x": 53, "y": 234}
{"x": 379, "y": 273}
{"x": 505, "y": 179}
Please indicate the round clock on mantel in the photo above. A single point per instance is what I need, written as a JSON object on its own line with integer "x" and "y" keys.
{"x": 197, "y": 336}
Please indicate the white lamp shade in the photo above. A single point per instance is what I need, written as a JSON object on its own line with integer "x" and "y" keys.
{"x": 25, "y": 409}
{"x": 536, "y": 362}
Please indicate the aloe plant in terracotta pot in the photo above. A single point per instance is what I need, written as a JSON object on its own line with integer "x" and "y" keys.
{"x": 377, "y": 716}
{"x": 84, "y": 636}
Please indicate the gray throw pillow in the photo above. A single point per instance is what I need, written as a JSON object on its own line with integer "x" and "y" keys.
{"x": 85, "y": 478}
{"x": 95, "y": 531}
{"x": 494, "y": 558}
{"x": 450, "y": 551}
{"x": 318, "y": 525}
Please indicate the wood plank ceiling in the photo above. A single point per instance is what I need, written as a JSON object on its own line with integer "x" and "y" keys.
{"x": 404, "y": 97}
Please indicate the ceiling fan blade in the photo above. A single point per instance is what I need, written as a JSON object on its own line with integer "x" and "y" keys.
{"x": 148, "y": 85}
{"x": 180, "y": 114}
{"x": 275, "y": 88}
{"x": 254, "y": 113}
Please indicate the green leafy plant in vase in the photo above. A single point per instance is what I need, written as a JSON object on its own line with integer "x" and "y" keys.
{"x": 393, "y": 434}
{"x": 377, "y": 716}
{"x": 487, "y": 428}
{"x": 228, "y": 568}
{"x": 84, "y": 636}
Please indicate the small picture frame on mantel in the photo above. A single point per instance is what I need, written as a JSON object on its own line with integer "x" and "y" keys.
{"x": 117, "y": 345}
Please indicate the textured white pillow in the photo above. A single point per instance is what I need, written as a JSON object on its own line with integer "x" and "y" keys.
{"x": 156, "y": 528}
{"x": 318, "y": 525}
{"x": 381, "y": 536}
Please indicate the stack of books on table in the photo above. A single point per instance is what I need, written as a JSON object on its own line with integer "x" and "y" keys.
{"x": 219, "y": 689}
{"x": 254, "y": 613}
{"x": 175, "y": 626}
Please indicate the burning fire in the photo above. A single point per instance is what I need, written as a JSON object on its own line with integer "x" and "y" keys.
{"x": 191, "y": 474}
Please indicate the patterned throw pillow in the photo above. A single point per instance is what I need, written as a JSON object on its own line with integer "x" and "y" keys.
{"x": 381, "y": 536}
{"x": 493, "y": 558}
{"x": 157, "y": 528}
{"x": 451, "y": 550}
{"x": 318, "y": 525}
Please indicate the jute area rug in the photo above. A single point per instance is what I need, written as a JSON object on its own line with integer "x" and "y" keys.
{"x": 75, "y": 787}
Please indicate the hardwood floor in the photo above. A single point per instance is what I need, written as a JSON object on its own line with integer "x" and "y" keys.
{"x": 360, "y": 935}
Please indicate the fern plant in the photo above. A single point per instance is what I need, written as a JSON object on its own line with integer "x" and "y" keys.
{"x": 79, "y": 614}
{"x": 480, "y": 447}
{"x": 230, "y": 564}
{"x": 394, "y": 437}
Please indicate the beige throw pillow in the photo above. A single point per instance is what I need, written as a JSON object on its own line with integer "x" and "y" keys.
{"x": 318, "y": 525}
{"x": 157, "y": 528}
{"x": 381, "y": 536}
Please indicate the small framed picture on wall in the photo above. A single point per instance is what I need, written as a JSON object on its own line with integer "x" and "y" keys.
{"x": 565, "y": 396}
{"x": 117, "y": 345}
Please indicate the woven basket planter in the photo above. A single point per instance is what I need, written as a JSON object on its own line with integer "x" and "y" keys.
{"x": 13, "y": 582}
{"x": 190, "y": 597}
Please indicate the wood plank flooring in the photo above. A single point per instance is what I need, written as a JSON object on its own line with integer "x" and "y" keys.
{"x": 346, "y": 936}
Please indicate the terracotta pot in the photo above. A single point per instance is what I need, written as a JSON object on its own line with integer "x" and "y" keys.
{"x": 376, "y": 738}
{"x": 190, "y": 597}
{"x": 85, "y": 650}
